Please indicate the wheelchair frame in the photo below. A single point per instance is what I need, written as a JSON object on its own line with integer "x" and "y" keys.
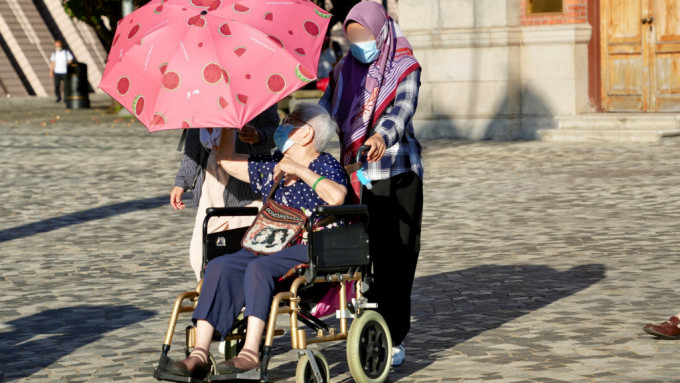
{"x": 368, "y": 333}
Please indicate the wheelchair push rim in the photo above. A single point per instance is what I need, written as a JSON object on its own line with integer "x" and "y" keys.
{"x": 369, "y": 348}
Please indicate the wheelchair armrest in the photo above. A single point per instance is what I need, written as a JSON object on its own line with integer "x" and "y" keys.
{"x": 230, "y": 211}
{"x": 341, "y": 210}
{"x": 225, "y": 211}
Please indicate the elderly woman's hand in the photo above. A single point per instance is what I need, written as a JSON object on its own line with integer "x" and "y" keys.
{"x": 290, "y": 169}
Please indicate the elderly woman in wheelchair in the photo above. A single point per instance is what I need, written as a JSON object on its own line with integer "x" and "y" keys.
{"x": 303, "y": 177}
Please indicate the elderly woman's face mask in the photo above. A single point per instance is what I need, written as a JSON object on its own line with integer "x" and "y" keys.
{"x": 282, "y": 134}
{"x": 281, "y": 139}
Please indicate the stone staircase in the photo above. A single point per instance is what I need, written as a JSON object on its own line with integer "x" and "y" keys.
{"x": 27, "y": 33}
{"x": 10, "y": 83}
{"x": 31, "y": 36}
{"x": 615, "y": 127}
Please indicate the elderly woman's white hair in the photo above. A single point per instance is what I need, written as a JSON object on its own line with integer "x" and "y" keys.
{"x": 324, "y": 125}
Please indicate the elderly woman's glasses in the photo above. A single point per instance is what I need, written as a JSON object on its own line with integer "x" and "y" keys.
{"x": 290, "y": 119}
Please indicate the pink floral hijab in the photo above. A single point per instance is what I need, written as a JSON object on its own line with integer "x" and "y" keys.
{"x": 361, "y": 92}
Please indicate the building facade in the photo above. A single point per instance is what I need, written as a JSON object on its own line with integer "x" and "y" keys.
{"x": 505, "y": 69}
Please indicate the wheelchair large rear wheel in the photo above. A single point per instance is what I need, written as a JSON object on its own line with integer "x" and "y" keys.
{"x": 369, "y": 348}
{"x": 304, "y": 372}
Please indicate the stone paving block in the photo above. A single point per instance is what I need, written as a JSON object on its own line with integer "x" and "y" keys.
{"x": 530, "y": 253}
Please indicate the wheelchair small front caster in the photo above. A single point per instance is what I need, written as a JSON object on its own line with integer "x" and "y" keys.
{"x": 305, "y": 373}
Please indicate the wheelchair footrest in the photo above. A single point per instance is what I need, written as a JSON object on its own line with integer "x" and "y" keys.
{"x": 253, "y": 375}
{"x": 162, "y": 375}
{"x": 160, "y": 372}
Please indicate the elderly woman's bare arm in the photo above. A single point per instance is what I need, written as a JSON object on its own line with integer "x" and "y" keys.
{"x": 235, "y": 164}
{"x": 330, "y": 191}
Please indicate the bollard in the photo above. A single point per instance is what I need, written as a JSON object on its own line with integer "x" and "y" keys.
{"x": 77, "y": 87}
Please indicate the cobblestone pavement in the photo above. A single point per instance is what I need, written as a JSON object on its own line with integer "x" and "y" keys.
{"x": 540, "y": 262}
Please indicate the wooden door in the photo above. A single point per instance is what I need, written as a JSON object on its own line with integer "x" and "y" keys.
{"x": 623, "y": 61}
{"x": 665, "y": 56}
{"x": 640, "y": 46}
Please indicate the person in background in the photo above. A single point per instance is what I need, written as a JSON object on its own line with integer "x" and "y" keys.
{"x": 373, "y": 95}
{"x": 212, "y": 186}
{"x": 59, "y": 66}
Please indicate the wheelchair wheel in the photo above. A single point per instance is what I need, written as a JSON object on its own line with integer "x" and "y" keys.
{"x": 369, "y": 348}
{"x": 304, "y": 372}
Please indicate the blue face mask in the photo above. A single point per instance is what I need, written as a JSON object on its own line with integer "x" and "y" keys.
{"x": 281, "y": 137}
{"x": 366, "y": 51}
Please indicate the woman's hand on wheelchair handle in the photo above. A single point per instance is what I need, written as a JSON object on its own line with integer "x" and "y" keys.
{"x": 378, "y": 147}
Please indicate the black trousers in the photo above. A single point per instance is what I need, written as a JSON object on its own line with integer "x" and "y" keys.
{"x": 395, "y": 207}
{"x": 58, "y": 80}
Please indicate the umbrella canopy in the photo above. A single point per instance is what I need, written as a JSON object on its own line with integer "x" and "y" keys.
{"x": 212, "y": 63}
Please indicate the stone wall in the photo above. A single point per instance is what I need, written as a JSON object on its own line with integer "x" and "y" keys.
{"x": 487, "y": 76}
{"x": 574, "y": 12}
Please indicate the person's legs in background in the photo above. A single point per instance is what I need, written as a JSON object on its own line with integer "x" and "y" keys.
{"x": 395, "y": 206}
{"x": 212, "y": 192}
{"x": 58, "y": 80}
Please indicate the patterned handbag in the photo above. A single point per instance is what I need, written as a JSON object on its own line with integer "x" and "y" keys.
{"x": 275, "y": 226}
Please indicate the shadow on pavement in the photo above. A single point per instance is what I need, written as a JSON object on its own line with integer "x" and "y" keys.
{"x": 29, "y": 344}
{"x": 81, "y": 217}
{"x": 453, "y": 307}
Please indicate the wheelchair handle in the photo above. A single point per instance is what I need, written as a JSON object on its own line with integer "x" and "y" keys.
{"x": 362, "y": 153}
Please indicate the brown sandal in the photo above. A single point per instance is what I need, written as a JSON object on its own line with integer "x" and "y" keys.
{"x": 245, "y": 361}
{"x": 196, "y": 365}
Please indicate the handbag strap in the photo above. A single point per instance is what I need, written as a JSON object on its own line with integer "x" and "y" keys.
{"x": 276, "y": 185}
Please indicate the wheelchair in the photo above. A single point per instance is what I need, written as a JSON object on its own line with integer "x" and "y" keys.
{"x": 336, "y": 255}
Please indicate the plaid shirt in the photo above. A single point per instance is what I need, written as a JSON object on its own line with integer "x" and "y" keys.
{"x": 395, "y": 125}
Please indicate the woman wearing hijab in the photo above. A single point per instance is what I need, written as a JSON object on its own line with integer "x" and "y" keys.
{"x": 373, "y": 95}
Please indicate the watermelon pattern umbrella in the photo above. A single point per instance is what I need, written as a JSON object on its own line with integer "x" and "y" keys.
{"x": 212, "y": 63}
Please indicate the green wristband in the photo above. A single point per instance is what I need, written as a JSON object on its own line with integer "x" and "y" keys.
{"x": 317, "y": 182}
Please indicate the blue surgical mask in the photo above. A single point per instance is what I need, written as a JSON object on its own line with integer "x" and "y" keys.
{"x": 281, "y": 137}
{"x": 366, "y": 51}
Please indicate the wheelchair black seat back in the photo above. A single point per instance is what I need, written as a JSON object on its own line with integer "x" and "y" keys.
{"x": 335, "y": 250}
{"x": 336, "y": 257}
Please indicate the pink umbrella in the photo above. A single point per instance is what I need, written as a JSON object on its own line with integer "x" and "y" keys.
{"x": 212, "y": 63}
